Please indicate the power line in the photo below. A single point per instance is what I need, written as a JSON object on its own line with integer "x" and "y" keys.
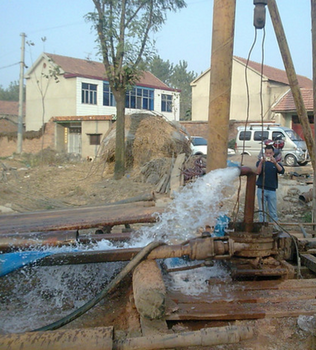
{"x": 10, "y": 65}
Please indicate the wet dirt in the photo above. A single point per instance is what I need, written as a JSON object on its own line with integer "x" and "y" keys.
{"x": 56, "y": 185}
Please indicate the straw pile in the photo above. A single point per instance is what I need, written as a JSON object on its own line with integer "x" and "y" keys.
{"x": 147, "y": 138}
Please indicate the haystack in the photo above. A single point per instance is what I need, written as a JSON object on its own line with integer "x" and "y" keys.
{"x": 147, "y": 137}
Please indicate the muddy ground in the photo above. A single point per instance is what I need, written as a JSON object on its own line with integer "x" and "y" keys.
{"x": 30, "y": 184}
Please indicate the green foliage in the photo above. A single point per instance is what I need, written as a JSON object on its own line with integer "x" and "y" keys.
{"x": 123, "y": 29}
{"x": 161, "y": 69}
{"x": 231, "y": 143}
{"x": 177, "y": 77}
{"x": 308, "y": 216}
{"x": 11, "y": 93}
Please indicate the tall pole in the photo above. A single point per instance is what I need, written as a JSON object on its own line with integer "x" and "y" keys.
{"x": 313, "y": 15}
{"x": 292, "y": 78}
{"x": 220, "y": 83}
{"x": 21, "y": 81}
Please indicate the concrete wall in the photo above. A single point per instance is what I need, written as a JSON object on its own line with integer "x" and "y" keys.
{"x": 97, "y": 127}
{"x": 59, "y": 98}
{"x": 271, "y": 92}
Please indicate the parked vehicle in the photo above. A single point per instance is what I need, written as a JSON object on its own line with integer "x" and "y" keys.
{"x": 250, "y": 140}
{"x": 199, "y": 146}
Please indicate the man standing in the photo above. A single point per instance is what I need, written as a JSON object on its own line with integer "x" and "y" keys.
{"x": 268, "y": 169}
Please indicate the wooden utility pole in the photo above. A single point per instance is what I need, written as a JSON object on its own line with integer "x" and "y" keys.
{"x": 313, "y": 15}
{"x": 292, "y": 78}
{"x": 220, "y": 82}
{"x": 21, "y": 97}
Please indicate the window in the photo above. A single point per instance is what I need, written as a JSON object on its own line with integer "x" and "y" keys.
{"x": 140, "y": 98}
{"x": 261, "y": 135}
{"x": 108, "y": 97}
{"x": 89, "y": 93}
{"x": 95, "y": 139}
{"x": 245, "y": 135}
{"x": 277, "y": 135}
{"x": 166, "y": 103}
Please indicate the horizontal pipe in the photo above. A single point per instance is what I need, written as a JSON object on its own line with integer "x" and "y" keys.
{"x": 205, "y": 337}
{"x": 99, "y": 338}
{"x": 196, "y": 249}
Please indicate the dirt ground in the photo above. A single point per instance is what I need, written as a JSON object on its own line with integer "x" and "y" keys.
{"x": 28, "y": 184}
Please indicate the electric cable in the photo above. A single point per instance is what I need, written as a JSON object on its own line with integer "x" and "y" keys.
{"x": 236, "y": 206}
{"x": 112, "y": 285}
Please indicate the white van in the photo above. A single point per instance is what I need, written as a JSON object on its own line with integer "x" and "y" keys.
{"x": 249, "y": 141}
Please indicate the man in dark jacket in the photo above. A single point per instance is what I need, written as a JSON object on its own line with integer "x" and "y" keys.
{"x": 267, "y": 183}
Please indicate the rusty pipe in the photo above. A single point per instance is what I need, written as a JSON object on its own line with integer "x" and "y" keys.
{"x": 250, "y": 197}
{"x": 196, "y": 249}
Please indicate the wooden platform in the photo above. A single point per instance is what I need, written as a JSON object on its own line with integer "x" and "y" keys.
{"x": 245, "y": 300}
{"x": 79, "y": 218}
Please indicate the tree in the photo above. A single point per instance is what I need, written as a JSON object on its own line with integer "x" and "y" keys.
{"x": 176, "y": 77}
{"x": 11, "y": 93}
{"x": 161, "y": 69}
{"x": 181, "y": 79}
{"x": 123, "y": 28}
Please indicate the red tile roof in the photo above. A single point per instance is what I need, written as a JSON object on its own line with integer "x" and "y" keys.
{"x": 275, "y": 74}
{"x": 10, "y": 108}
{"x": 75, "y": 67}
{"x": 286, "y": 103}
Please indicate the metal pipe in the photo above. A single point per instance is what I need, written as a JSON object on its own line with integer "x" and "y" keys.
{"x": 250, "y": 197}
{"x": 220, "y": 82}
{"x": 196, "y": 249}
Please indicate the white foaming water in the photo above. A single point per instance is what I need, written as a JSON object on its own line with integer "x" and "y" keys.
{"x": 198, "y": 204}
{"x": 195, "y": 282}
{"x": 33, "y": 297}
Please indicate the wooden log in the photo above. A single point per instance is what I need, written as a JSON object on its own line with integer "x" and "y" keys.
{"x": 99, "y": 338}
{"x": 149, "y": 290}
{"x": 205, "y": 337}
{"x": 176, "y": 179}
{"x": 161, "y": 183}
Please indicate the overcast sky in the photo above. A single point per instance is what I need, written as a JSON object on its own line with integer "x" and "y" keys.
{"x": 186, "y": 35}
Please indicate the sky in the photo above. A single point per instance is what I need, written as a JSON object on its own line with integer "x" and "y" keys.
{"x": 186, "y": 34}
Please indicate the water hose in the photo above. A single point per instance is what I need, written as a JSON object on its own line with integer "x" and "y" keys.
{"x": 86, "y": 307}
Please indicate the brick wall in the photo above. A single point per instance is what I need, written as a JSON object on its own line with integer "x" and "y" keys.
{"x": 200, "y": 128}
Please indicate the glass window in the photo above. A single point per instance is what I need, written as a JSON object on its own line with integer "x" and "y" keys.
{"x": 166, "y": 103}
{"x": 245, "y": 135}
{"x": 261, "y": 135}
{"x": 277, "y": 135}
{"x": 95, "y": 139}
{"x": 293, "y": 135}
{"x": 108, "y": 97}
{"x": 199, "y": 141}
{"x": 89, "y": 93}
{"x": 140, "y": 98}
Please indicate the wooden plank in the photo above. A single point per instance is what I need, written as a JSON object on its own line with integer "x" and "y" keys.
{"x": 245, "y": 300}
{"x": 78, "y": 218}
{"x": 256, "y": 296}
{"x": 176, "y": 180}
{"x": 309, "y": 261}
{"x": 243, "y": 311}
